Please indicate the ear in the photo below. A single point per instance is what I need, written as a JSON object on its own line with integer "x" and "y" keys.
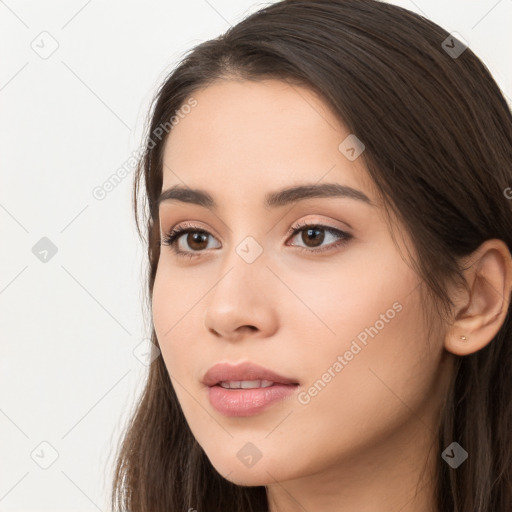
{"x": 480, "y": 314}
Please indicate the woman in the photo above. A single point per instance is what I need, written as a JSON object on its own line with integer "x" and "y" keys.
{"x": 329, "y": 235}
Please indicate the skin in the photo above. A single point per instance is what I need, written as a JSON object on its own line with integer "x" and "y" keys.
{"x": 366, "y": 441}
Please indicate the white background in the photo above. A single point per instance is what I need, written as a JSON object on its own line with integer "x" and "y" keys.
{"x": 69, "y": 326}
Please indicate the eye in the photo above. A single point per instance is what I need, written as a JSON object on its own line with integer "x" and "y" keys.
{"x": 197, "y": 238}
{"x": 314, "y": 234}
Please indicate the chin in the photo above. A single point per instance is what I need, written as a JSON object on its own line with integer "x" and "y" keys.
{"x": 258, "y": 475}
{"x": 247, "y": 478}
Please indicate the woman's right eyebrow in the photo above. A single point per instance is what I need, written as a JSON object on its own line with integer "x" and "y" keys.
{"x": 276, "y": 199}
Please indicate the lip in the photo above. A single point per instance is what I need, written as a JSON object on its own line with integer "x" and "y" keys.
{"x": 245, "y": 402}
{"x": 243, "y": 371}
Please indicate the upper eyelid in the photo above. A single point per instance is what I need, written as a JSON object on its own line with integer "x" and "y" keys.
{"x": 299, "y": 224}
{"x": 186, "y": 227}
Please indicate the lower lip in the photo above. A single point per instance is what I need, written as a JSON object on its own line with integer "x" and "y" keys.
{"x": 246, "y": 402}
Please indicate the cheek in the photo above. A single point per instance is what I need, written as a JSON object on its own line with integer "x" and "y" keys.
{"x": 377, "y": 368}
{"x": 163, "y": 305}
{"x": 363, "y": 348}
{"x": 386, "y": 384}
{"x": 175, "y": 297}
{"x": 364, "y": 290}
{"x": 173, "y": 314}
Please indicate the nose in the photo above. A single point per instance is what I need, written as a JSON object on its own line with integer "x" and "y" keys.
{"x": 242, "y": 302}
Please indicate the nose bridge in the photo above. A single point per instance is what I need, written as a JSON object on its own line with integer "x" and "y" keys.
{"x": 244, "y": 268}
{"x": 239, "y": 297}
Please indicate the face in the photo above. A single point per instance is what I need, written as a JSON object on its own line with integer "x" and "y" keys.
{"x": 333, "y": 307}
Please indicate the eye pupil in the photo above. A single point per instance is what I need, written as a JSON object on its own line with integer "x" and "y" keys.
{"x": 195, "y": 237}
{"x": 313, "y": 233}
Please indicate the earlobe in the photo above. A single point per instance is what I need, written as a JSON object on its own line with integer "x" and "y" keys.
{"x": 479, "y": 315}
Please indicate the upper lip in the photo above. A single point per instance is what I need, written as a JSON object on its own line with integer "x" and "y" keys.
{"x": 225, "y": 372}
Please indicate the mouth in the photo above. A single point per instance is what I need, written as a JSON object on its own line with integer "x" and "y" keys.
{"x": 249, "y": 384}
{"x": 246, "y": 389}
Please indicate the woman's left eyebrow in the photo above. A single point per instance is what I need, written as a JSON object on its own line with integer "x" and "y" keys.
{"x": 276, "y": 199}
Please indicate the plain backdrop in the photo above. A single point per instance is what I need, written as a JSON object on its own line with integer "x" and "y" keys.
{"x": 76, "y": 79}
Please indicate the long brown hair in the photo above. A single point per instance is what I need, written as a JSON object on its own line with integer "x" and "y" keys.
{"x": 438, "y": 147}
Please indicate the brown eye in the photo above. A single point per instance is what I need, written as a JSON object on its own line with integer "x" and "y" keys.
{"x": 196, "y": 240}
{"x": 314, "y": 235}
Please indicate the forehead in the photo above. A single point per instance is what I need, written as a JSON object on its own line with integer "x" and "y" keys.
{"x": 257, "y": 136}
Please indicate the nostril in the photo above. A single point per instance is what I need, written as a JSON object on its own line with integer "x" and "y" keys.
{"x": 250, "y": 327}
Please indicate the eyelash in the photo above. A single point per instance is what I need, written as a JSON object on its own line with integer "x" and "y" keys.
{"x": 172, "y": 237}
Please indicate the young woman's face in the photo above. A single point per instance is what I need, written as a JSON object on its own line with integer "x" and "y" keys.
{"x": 334, "y": 309}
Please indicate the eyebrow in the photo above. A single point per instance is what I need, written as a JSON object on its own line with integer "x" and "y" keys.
{"x": 276, "y": 199}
